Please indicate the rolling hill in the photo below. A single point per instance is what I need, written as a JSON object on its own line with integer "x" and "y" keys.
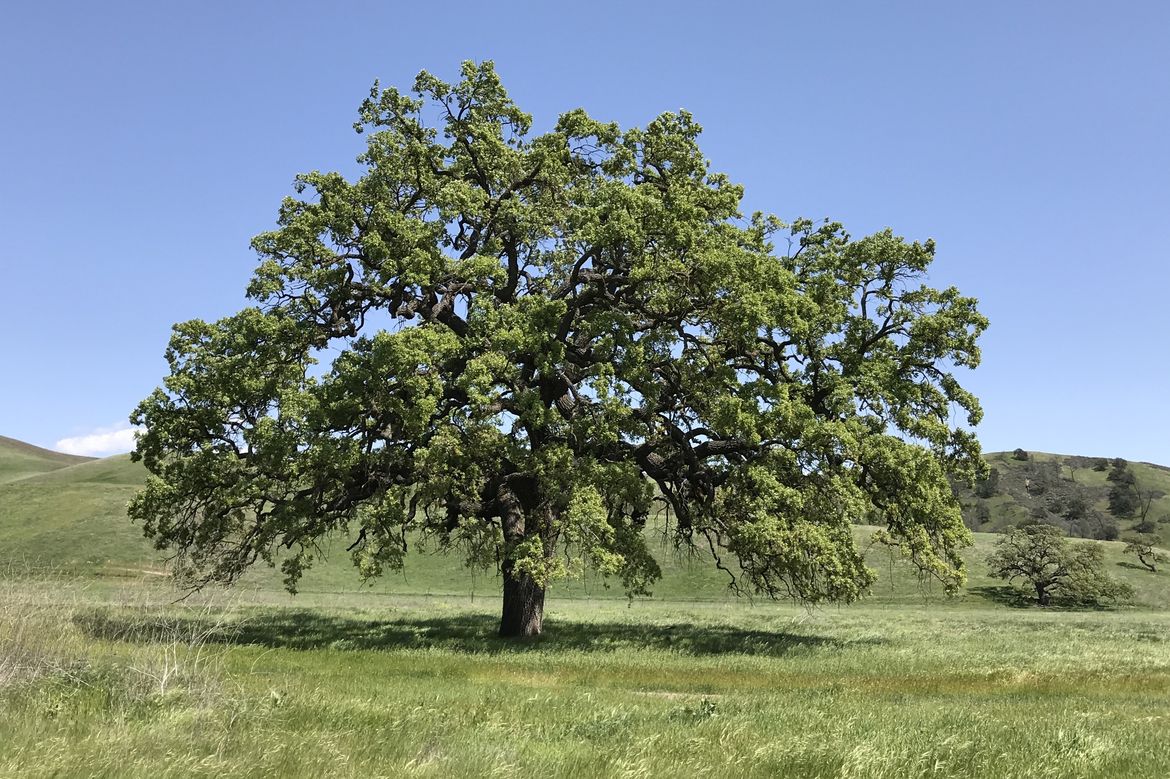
{"x": 70, "y": 516}
{"x": 19, "y": 460}
{"x": 1066, "y": 490}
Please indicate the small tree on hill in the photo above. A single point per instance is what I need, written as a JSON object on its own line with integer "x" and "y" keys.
{"x": 1143, "y": 546}
{"x": 1075, "y": 508}
{"x": 1123, "y": 500}
{"x": 535, "y": 341}
{"x": 988, "y": 487}
{"x": 1127, "y": 497}
{"x": 1041, "y": 556}
{"x": 1119, "y": 471}
{"x": 1145, "y": 501}
{"x": 1102, "y": 527}
{"x": 1020, "y": 454}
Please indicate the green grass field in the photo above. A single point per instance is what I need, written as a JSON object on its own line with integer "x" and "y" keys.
{"x": 382, "y": 686}
{"x": 102, "y": 675}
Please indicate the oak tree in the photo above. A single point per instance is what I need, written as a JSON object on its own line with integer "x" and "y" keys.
{"x": 1040, "y": 556}
{"x": 1144, "y": 546}
{"x": 524, "y": 346}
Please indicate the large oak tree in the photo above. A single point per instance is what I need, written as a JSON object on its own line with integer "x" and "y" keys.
{"x": 537, "y": 342}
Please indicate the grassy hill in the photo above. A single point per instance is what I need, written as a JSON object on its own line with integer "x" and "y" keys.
{"x": 19, "y": 460}
{"x": 1065, "y": 490}
{"x": 71, "y": 516}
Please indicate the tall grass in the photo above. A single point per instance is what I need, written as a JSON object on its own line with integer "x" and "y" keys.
{"x": 56, "y": 637}
{"x": 424, "y": 688}
{"x": 33, "y": 641}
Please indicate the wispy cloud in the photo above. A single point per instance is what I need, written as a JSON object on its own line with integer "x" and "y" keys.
{"x": 101, "y": 442}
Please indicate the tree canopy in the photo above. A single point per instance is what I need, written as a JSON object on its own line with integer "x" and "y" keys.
{"x": 524, "y": 346}
{"x": 1041, "y": 556}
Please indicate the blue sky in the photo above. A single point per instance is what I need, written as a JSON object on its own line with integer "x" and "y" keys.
{"x": 145, "y": 143}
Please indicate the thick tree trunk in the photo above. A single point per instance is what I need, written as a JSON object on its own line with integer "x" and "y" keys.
{"x": 523, "y": 614}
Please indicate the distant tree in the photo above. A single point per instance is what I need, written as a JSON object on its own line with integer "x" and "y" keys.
{"x": 1104, "y": 527}
{"x": 1052, "y": 568}
{"x": 1123, "y": 500}
{"x": 1128, "y": 498}
{"x": 1075, "y": 508}
{"x": 1100, "y": 464}
{"x": 989, "y": 487}
{"x": 537, "y": 339}
{"x": 1145, "y": 525}
{"x": 1143, "y": 546}
{"x": 982, "y": 513}
{"x": 1119, "y": 472}
{"x": 1145, "y": 498}
{"x": 1020, "y": 454}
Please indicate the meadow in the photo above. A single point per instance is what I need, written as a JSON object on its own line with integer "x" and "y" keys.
{"x": 113, "y": 680}
{"x": 103, "y": 674}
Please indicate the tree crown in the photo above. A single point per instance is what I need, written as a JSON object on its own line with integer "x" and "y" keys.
{"x": 537, "y": 341}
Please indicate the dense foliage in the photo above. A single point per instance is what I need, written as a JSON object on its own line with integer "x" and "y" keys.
{"x": 1055, "y": 570}
{"x": 538, "y": 341}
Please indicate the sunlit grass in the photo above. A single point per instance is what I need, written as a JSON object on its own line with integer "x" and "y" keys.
{"x": 422, "y": 687}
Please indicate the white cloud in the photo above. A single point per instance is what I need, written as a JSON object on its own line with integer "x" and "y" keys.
{"x": 101, "y": 442}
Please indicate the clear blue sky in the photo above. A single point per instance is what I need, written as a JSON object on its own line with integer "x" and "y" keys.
{"x": 144, "y": 144}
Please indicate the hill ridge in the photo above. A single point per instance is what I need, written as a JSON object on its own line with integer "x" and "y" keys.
{"x": 1074, "y": 492}
{"x": 33, "y": 450}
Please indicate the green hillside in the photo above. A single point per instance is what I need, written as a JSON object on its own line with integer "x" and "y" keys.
{"x": 19, "y": 460}
{"x": 1066, "y": 490}
{"x": 72, "y": 518}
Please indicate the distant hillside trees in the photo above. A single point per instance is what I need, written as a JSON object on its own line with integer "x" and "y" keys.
{"x": 1119, "y": 471}
{"x": 1065, "y": 491}
{"x": 1076, "y": 463}
{"x": 1020, "y": 454}
{"x": 1053, "y": 570}
{"x": 989, "y": 487}
{"x": 1128, "y": 498}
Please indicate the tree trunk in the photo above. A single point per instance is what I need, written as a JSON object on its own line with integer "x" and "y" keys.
{"x": 523, "y": 614}
{"x": 1042, "y": 594}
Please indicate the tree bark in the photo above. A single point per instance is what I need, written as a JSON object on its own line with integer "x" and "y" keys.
{"x": 523, "y": 615}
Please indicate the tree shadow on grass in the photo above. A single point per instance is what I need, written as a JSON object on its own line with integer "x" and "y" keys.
{"x": 1019, "y": 598}
{"x": 1135, "y": 567}
{"x": 471, "y": 633}
{"x": 1004, "y": 595}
